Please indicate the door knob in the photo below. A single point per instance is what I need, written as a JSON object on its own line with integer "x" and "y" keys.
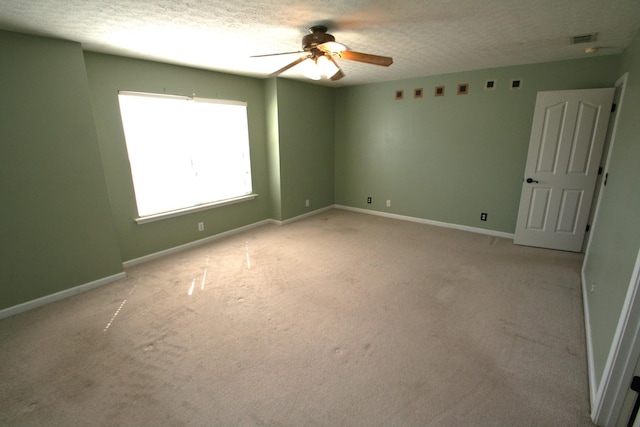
{"x": 529, "y": 181}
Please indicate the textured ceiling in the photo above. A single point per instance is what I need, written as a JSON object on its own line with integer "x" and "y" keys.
{"x": 424, "y": 37}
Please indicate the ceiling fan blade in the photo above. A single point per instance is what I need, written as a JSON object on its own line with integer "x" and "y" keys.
{"x": 276, "y": 54}
{"x": 291, "y": 65}
{"x": 337, "y": 76}
{"x": 385, "y": 61}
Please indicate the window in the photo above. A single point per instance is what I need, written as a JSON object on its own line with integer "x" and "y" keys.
{"x": 185, "y": 153}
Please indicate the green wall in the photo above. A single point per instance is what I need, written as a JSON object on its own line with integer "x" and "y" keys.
{"x": 67, "y": 197}
{"x": 452, "y": 157}
{"x": 306, "y": 150}
{"x": 109, "y": 74}
{"x": 273, "y": 153}
{"x": 615, "y": 238}
{"x": 56, "y": 226}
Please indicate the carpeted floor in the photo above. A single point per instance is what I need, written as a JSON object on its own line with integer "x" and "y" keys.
{"x": 340, "y": 319}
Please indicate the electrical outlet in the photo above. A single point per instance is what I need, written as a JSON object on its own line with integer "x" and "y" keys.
{"x": 306, "y": 203}
{"x": 369, "y": 200}
{"x": 388, "y": 203}
{"x": 201, "y": 226}
{"x": 483, "y": 216}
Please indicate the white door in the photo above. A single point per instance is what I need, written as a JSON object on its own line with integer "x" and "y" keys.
{"x": 567, "y": 135}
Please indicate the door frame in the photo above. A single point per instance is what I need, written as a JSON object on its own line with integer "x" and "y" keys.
{"x": 622, "y": 358}
{"x": 607, "y": 393}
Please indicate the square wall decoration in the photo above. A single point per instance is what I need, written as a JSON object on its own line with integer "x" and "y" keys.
{"x": 439, "y": 91}
{"x": 399, "y": 95}
{"x": 463, "y": 88}
{"x": 490, "y": 85}
{"x": 516, "y": 84}
{"x": 418, "y": 92}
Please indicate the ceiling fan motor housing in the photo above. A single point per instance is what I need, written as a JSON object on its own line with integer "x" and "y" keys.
{"x": 318, "y": 36}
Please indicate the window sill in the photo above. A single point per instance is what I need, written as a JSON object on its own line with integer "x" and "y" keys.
{"x": 179, "y": 212}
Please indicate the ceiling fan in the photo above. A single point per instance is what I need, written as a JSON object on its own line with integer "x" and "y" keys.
{"x": 320, "y": 50}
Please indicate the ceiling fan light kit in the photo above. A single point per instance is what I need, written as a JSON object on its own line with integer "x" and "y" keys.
{"x": 320, "y": 50}
{"x": 315, "y": 68}
{"x": 333, "y": 47}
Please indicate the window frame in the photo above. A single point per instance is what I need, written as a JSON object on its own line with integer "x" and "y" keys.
{"x": 142, "y": 219}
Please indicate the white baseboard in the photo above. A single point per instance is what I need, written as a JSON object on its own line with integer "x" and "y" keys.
{"x": 593, "y": 390}
{"x": 10, "y": 311}
{"x": 195, "y": 243}
{"x": 29, "y": 305}
{"x": 218, "y": 236}
{"x": 429, "y": 222}
{"x": 305, "y": 215}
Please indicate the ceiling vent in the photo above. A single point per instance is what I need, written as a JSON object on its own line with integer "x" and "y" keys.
{"x": 587, "y": 38}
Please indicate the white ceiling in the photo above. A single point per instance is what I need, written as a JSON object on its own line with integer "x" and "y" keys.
{"x": 424, "y": 37}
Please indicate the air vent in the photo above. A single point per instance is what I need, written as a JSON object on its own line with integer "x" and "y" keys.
{"x": 587, "y": 38}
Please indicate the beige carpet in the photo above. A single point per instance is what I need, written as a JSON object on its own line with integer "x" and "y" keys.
{"x": 341, "y": 319}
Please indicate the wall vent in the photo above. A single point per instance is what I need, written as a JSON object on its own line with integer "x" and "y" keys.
{"x": 586, "y": 38}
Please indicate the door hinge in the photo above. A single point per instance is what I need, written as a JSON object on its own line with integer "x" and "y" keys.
{"x": 600, "y": 170}
{"x": 635, "y": 386}
{"x": 588, "y": 228}
{"x": 613, "y": 107}
{"x": 606, "y": 177}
